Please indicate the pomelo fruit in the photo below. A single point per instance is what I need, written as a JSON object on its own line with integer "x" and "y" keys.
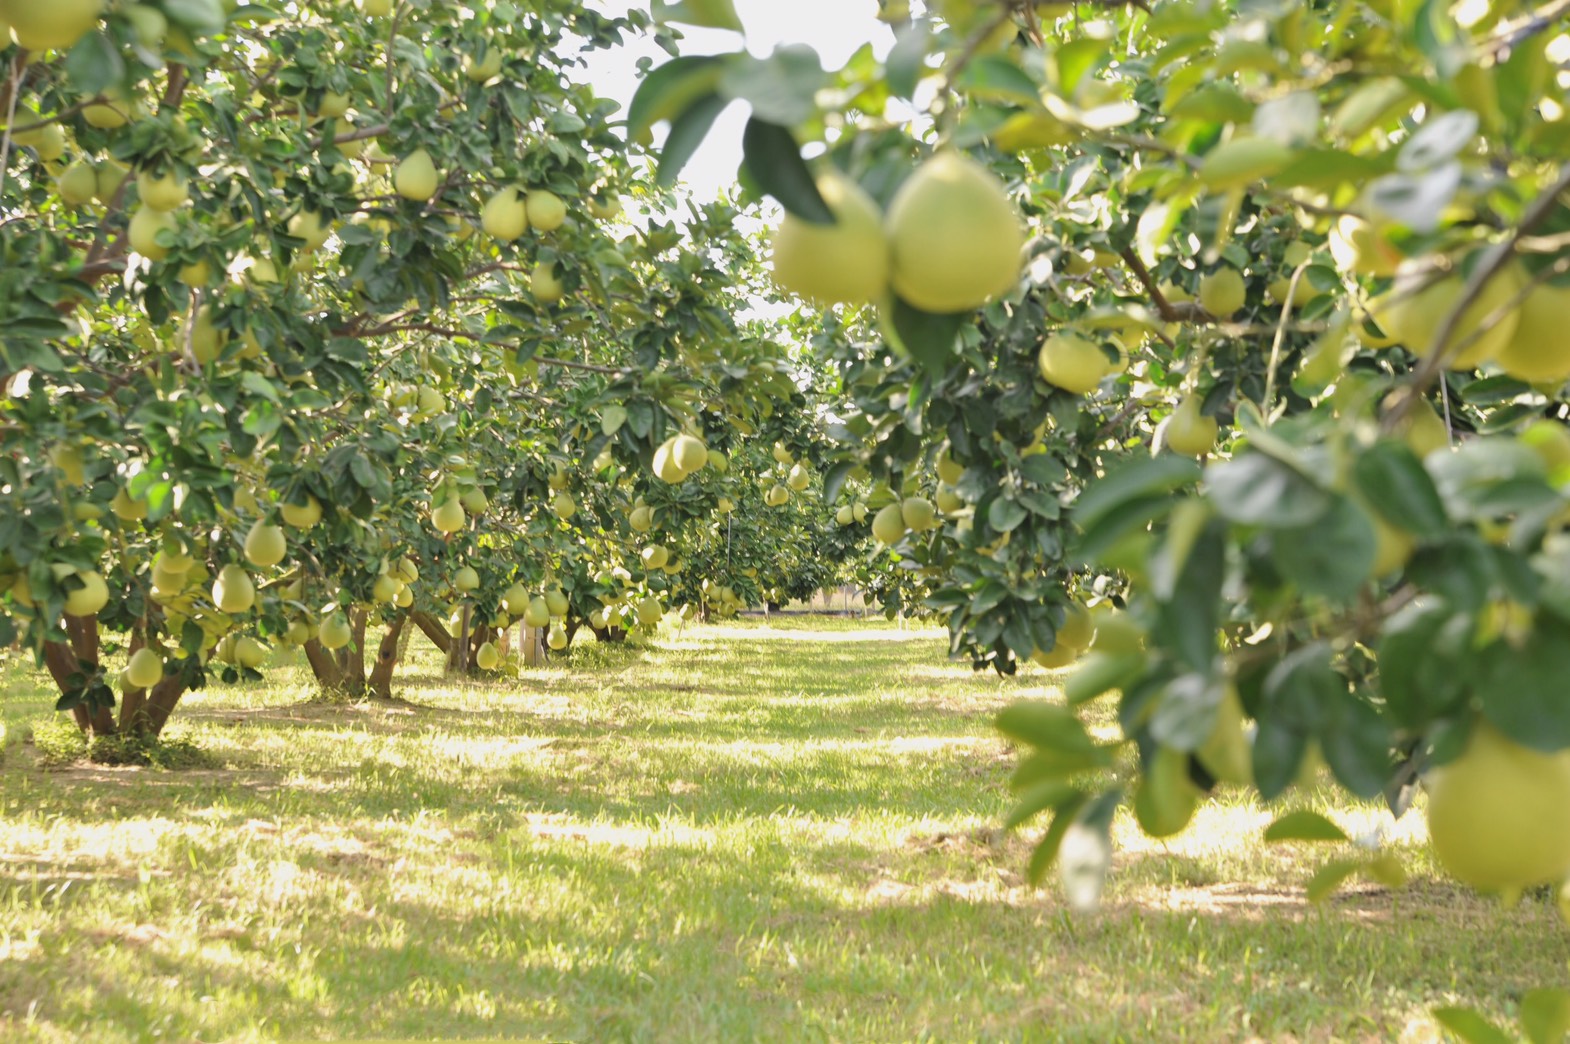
{"x": 843, "y": 263}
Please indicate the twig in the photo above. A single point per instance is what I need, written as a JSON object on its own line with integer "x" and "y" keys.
{"x": 1497, "y": 257}
{"x": 1275, "y": 345}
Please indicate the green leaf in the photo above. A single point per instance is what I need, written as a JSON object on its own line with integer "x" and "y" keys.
{"x": 907, "y": 58}
{"x": 1259, "y": 490}
{"x": 1471, "y": 1027}
{"x": 669, "y": 90}
{"x": 999, "y": 79}
{"x": 1332, "y": 557}
{"x": 1391, "y": 479}
{"x": 774, "y": 162}
{"x": 1037, "y": 800}
{"x": 1140, "y": 478}
{"x": 94, "y": 65}
{"x": 1523, "y": 686}
{"x": 1418, "y": 677}
{"x": 781, "y": 88}
{"x": 1330, "y": 877}
{"x": 926, "y": 339}
{"x": 834, "y": 479}
{"x": 1356, "y": 746}
{"x": 612, "y": 418}
{"x": 687, "y": 132}
{"x": 1186, "y": 714}
{"x": 1046, "y": 852}
{"x": 1005, "y": 515}
{"x": 1186, "y": 623}
{"x": 1545, "y": 1014}
{"x": 707, "y": 14}
{"x": 1304, "y": 825}
{"x": 199, "y": 16}
{"x": 1043, "y": 724}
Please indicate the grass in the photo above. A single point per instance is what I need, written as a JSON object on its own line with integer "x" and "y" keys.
{"x": 748, "y": 832}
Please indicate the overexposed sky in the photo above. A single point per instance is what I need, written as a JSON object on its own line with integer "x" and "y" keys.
{"x": 836, "y": 29}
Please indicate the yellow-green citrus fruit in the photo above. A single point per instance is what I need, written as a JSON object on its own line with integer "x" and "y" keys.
{"x": 78, "y": 184}
{"x": 39, "y": 25}
{"x": 1496, "y": 814}
{"x": 777, "y": 496}
{"x": 482, "y": 69}
{"x": 334, "y": 632}
{"x": 1117, "y": 633}
{"x": 165, "y": 191}
{"x": 1550, "y": 440}
{"x": 1072, "y": 363}
{"x": 1222, "y": 292}
{"x": 546, "y": 210}
{"x": 556, "y": 637}
{"x": 486, "y": 657}
{"x": 516, "y": 599}
{"x": 248, "y": 652}
{"x": 654, "y": 556}
{"x": 918, "y": 514}
{"x": 955, "y": 237}
{"x": 641, "y": 519}
{"x": 448, "y": 516}
{"x": 650, "y": 611}
{"x": 537, "y": 613}
{"x": 948, "y": 500}
{"x": 799, "y": 478}
{"x": 145, "y": 669}
{"x": 111, "y": 113}
{"x": 109, "y": 176}
{"x": 265, "y": 544}
{"x": 1358, "y": 248}
{"x": 206, "y": 339}
{"x": 87, "y": 599}
{"x": 605, "y": 207}
{"x": 1188, "y": 431}
{"x": 143, "y": 231}
{"x": 888, "y": 525}
{"x": 127, "y": 509}
{"x": 233, "y": 591}
{"x": 556, "y": 601}
{"x": 1078, "y": 629}
{"x": 309, "y": 226}
{"x": 544, "y": 284}
{"x": 846, "y": 262}
{"x": 563, "y": 506}
{"x": 302, "y": 516}
{"x": 949, "y": 470}
{"x": 782, "y": 453}
{"x": 416, "y": 178}
{"x": 386, "y": 589}
{"x": 1414, "y": 308}
{"x": 1539, "y": 350}
{"x": 844, "y": 516}
{"x": 466, "y": 579}
{"x": 689, "y": 453}
{"x": 1060, "y": 655}
{"x": 504, "y": 215}
{"x": 334, "y": 106}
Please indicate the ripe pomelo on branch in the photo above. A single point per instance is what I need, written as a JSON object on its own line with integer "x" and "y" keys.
{"x": 1539, "y": 349}
{"x": 1497, "y": 814}
{"x": 843, "y": 263}
{"x": 955, "y": 236}
{"x": 1070, "y": 362}
{"x": 1414, "y": 308}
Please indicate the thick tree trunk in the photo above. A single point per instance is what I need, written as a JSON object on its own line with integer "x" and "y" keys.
{"x": 380, "y": 682}
{"x": 143, "y": 712}
{"x": 325, "y": 667}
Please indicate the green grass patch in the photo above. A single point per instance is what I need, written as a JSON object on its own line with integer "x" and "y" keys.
{"x": 779, "y": 830}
